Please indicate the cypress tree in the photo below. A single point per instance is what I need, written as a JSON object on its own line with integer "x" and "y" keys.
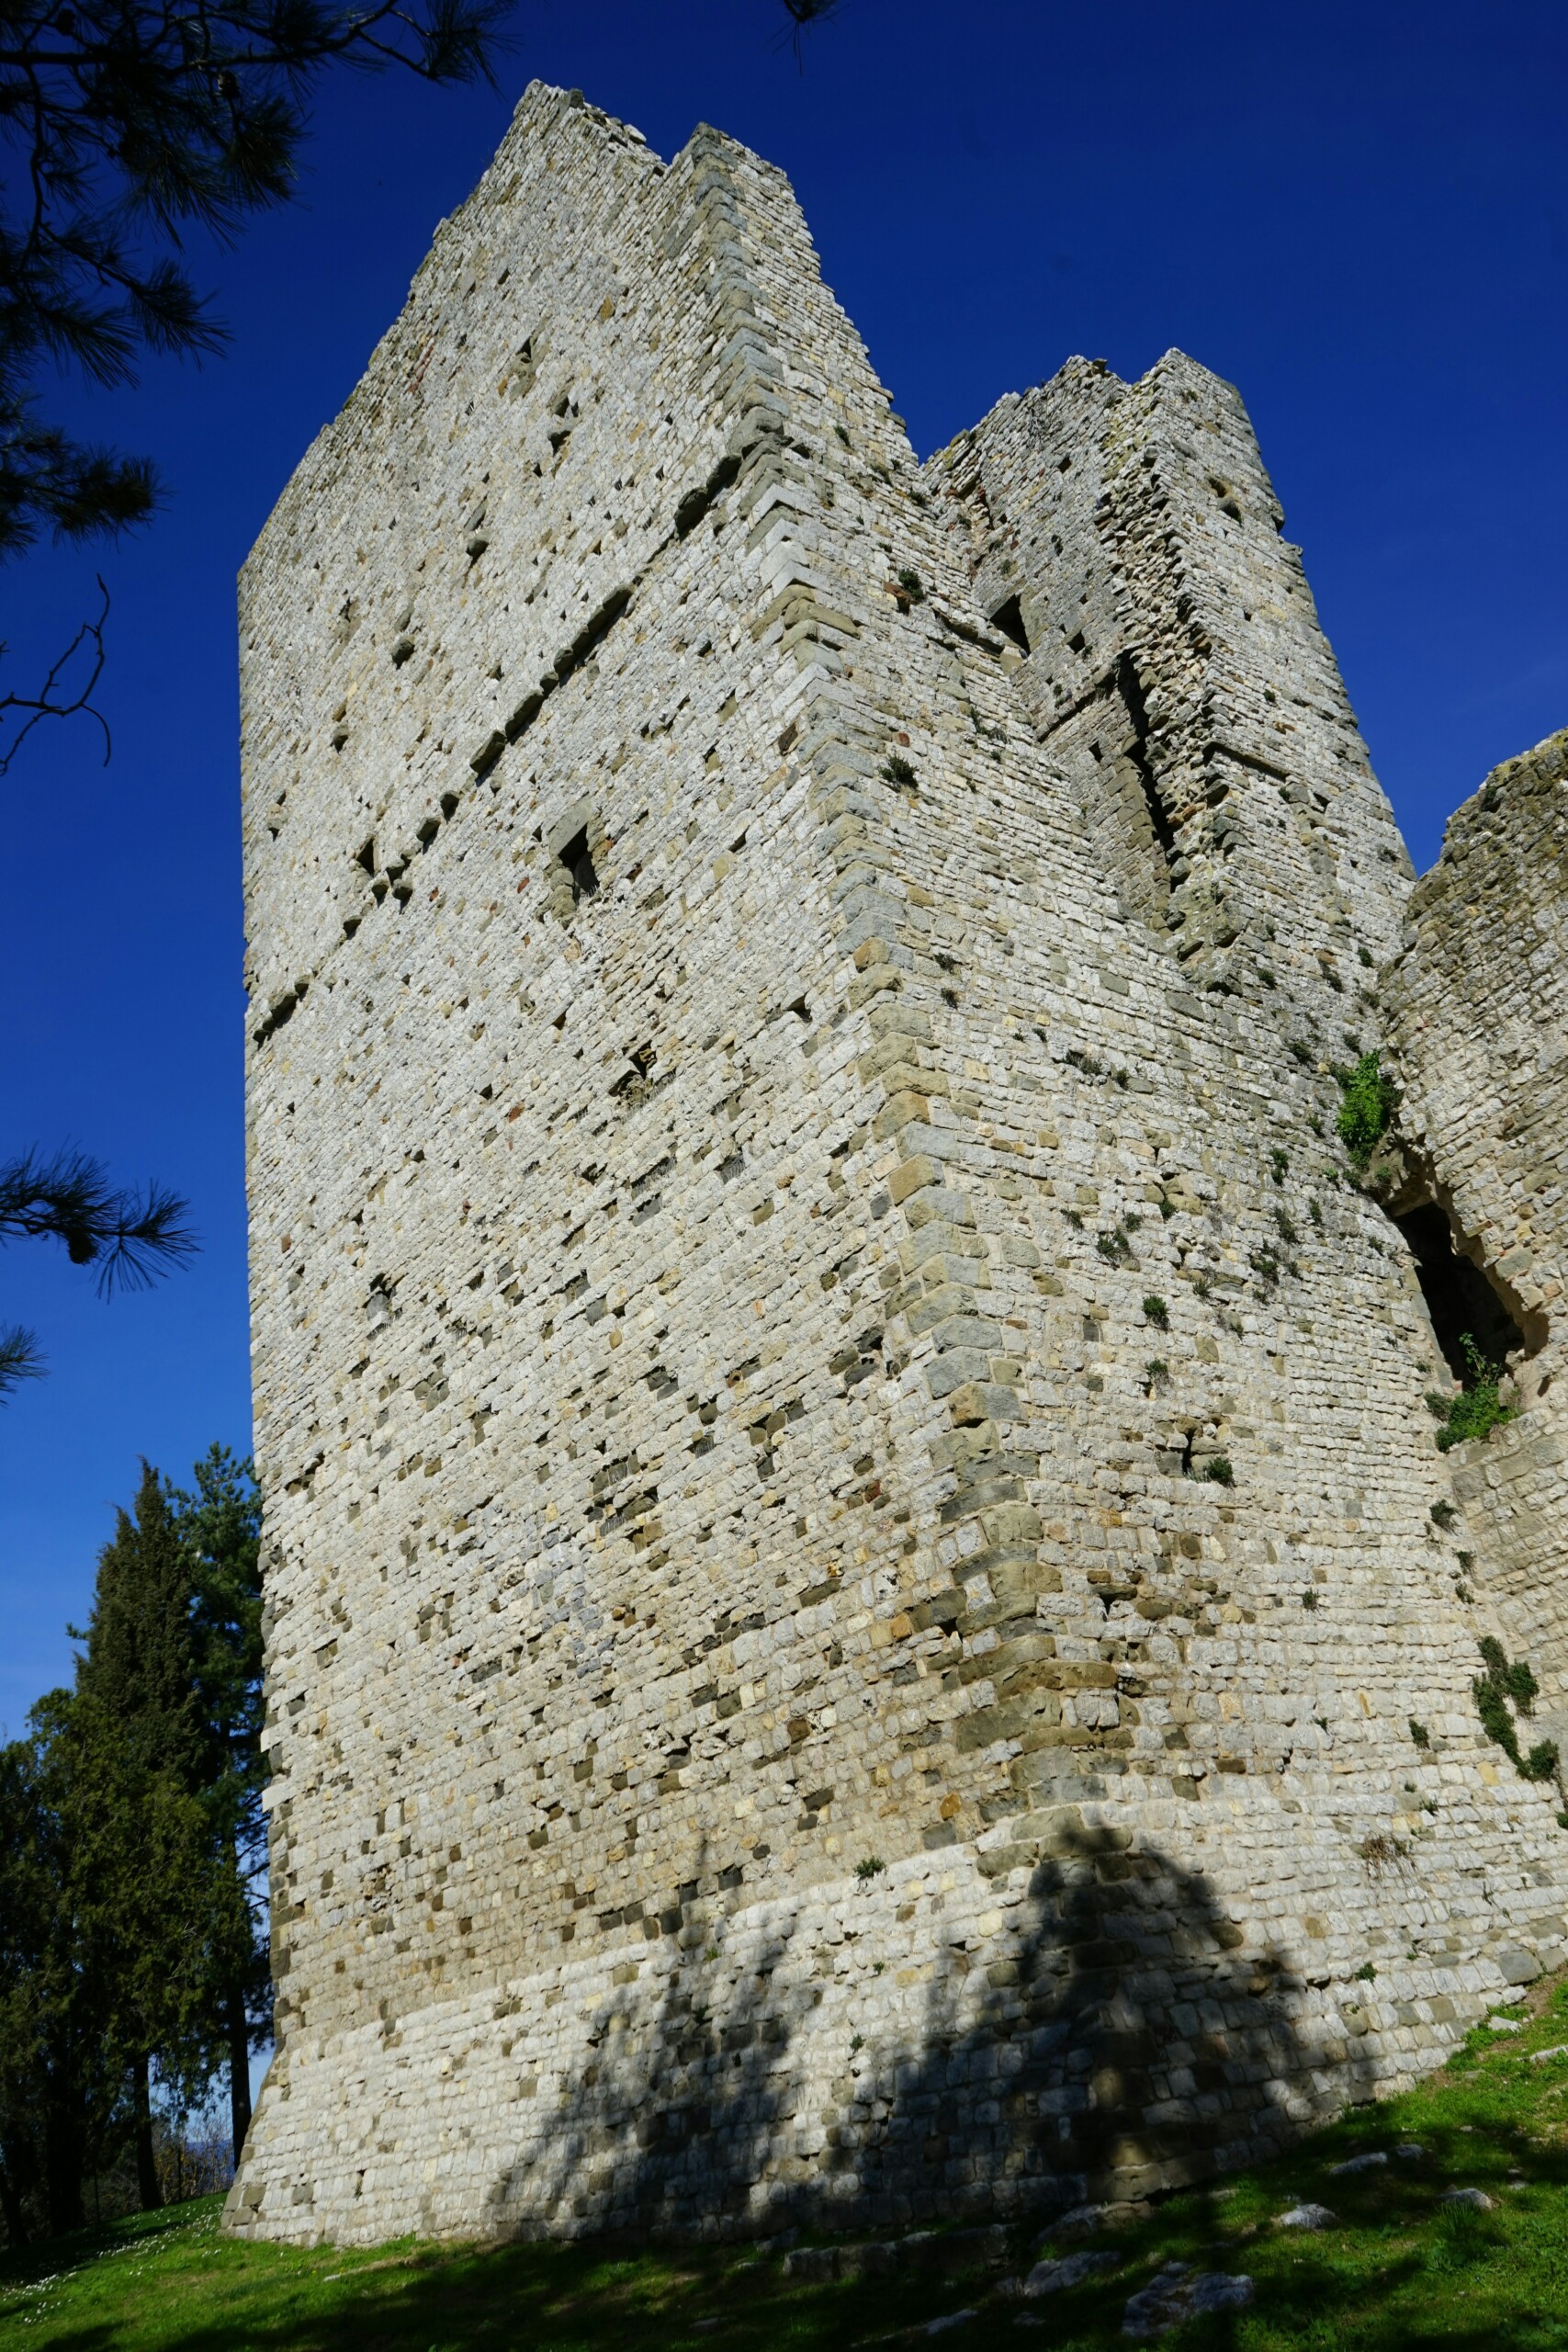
{"x": 219, "y": 1523}
{"x": 147, "y": 1890}
{"x": 133, "y": 1837}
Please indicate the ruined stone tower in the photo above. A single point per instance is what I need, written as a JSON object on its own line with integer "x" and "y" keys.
{"x": 860, "y": 1613}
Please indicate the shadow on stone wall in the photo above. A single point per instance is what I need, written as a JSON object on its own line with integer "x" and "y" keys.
{"x": 1124, "y": 2039}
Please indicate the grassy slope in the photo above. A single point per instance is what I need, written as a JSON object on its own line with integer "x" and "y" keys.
{"x": 1399, "y": 2271}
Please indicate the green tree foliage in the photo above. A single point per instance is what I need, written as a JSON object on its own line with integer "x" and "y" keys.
{"x": 219, "y": 1524}
{"x": 56, "y": 2093}
{"x": 151, "y": 1901}
{"x": 132, "y": 1842}
{"x": 1369, "y": 1106}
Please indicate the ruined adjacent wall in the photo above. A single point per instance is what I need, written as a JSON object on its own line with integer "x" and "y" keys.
{"x": 1177, "y": 674}
{"x": 1477, "y": 1015}
{"x": 848, "y": 1499}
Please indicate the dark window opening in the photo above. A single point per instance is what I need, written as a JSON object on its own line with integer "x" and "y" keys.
{"x": 633, "y": 1084}
{"x": 1008, "y": 618}
{"x": 1132, "y": 691}
{"x": 578, "y": 864}
{"x": 1460, "y": 1299}
{"x": 695, "y": 504}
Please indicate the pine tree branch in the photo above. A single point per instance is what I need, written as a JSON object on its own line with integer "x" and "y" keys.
{"x": 127, "y": 121}
{"x": 20, "y": 1358}
{"x": 803, "y": 15}
{"x": 132, "y": 1236}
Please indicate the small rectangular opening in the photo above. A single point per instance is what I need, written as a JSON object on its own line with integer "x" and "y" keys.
{"x": 1008, "y": 618}
{"x": 576, "y": 858}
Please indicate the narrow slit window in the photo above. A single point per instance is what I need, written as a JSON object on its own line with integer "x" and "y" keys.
{"x": 1132, "y": 688}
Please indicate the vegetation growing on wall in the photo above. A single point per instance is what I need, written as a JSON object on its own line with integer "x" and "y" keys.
{"x": 1506, "y": 1690}
{"x": 1478, "y": 1407}
{"x": 1368, "y": 1105}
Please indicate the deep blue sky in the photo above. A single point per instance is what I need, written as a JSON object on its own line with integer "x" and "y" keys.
{"x": 1357, "y": 213}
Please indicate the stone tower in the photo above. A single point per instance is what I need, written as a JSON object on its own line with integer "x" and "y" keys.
{"x": 855, "y": 1556}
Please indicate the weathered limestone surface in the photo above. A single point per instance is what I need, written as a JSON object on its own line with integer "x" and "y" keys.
{"x": 1478, "y": 1019}
{"x": 848, "y": 1493}
{"x": 1178, "y": 672}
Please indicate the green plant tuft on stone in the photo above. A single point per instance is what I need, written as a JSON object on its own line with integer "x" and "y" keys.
{"x": 1158, "y": 1312}
{"x": 1514, "y": 1682}
{"x": 1368, "y": 1106}
{"x": 1419, "y": 1733}
{"x": 1478, "y": 1408}
{"x": 896, "y": 770}
{"x": 869, "y": 1867}
{"x": 1218, "y": 1471}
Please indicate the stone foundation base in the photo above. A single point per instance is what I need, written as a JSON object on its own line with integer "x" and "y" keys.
{"x": 1068, "y": 2011}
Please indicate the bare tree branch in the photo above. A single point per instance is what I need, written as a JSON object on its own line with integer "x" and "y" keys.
{"x": 52, "y": 700}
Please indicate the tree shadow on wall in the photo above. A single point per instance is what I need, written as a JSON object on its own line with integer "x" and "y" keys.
{"x": 1116, "y": 2037}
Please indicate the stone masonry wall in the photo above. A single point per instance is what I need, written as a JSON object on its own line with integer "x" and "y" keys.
{"x": 1478, "y": 1021}
{"x": 848, "y": 1500}
{"x": 1178, "y": 673}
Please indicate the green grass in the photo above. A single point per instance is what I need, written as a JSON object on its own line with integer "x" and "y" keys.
{"x": 1399, "y": 2272}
